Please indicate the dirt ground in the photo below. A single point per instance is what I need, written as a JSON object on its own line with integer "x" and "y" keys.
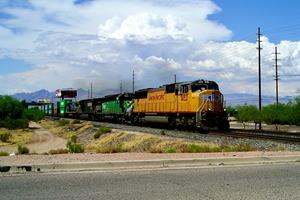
{"x": 41, "y": 142}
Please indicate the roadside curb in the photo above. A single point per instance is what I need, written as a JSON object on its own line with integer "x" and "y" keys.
{"x": 147, "y": 164}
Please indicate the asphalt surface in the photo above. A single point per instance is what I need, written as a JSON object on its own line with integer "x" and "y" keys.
{"x": 244, "y": 182}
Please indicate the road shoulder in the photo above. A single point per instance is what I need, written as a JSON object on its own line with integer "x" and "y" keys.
{"x": 130, "y": 161}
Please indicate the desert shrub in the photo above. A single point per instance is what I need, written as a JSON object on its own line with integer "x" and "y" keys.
{"x": 14, "y": 123}
{"x": 73, "y": 138}
{"x": 74, "y": 147}
{"x": 58, "y": 151}
{"x": 104, "y": 130}
{"x": 97, "y": 135}
{"x": 63, "y": 122}
{"x": 244, "y": 147}
{"x": 170, "y": 150}
{"x": 22, "y": 149}
{"x": 76, "y": 121}
{"x": 3, "y": 153}
{"x": 34, "y": 114}
{"x": 101, "y": 131}
{"x": 113, "y": 148}
{"x": 4, "y": 136}
{"x": 162, "y": 132}
{"x": 195, "y": 148}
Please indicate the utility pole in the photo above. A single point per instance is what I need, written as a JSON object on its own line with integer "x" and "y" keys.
{"x": 121, "y": 88}
{"x": 174, "y": 78}
{"x": 259, "y": 73}
{"x": 88, "y": 93}
{"x": 91, "y": 90}
{"x": 133, "y": 81}
{"x": 276, "y": 74}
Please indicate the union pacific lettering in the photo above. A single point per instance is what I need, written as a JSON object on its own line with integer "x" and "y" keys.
{"x": 157, "y": 97}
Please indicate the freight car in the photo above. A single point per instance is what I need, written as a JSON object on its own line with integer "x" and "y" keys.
{"x": 196, "y": 104}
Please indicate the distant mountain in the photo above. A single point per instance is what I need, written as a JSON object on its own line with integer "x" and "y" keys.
{"x": 45, "y": 94}
{"x": 233, "y": 99}
{"x": 34, "y": 96}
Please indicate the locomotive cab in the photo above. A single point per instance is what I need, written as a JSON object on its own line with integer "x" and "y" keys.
{"x": 210, "y": 112}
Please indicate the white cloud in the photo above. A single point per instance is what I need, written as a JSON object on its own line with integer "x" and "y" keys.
{"x": 144, "y": 27}
{"x": 72, "y": 45}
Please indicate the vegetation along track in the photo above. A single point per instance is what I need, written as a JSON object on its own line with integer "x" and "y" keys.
{"x": 285, "y": 137}
{"x": 278, "y": 136}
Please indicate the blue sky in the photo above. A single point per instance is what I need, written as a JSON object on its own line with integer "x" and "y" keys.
{"x": 70, "y": 43}
{"x": 8, "y": 65}
{"x": 279, "y": 20}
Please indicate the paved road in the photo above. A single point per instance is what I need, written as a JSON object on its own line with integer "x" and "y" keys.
{"x": 255, "y": 182}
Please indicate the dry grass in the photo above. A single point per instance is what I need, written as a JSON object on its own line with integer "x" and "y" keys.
{"x": 58, "y": 151}
{"x": 19, "y": 136}
{"x": 68, "y": 129}
{"x": 4, "y": 153}
{"x": 124, "y": 142}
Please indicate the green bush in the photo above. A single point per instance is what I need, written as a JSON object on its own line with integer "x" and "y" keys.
{"x": 73, "y": 138}
{"x": 3, "y": 153}
{"x": 231, "y": 111}
{"x": 14, "y": 123}
{"x": 75, "y": 147}
{"x": 101, "y": 131}
{"x": 4, "y": 136}
{"x": 76, "y": 121}
{"x": 34, "y": 114}
{"x": 170, "y": 150}
{"x": 63, "y": 122}
{"x": 104, "y": 130}
{"x": 22, "y": 149}
{"x": 58, "y": 151}
{"x": 277, "y": 114}
{"x": 12, "y": 113}
{"x": 194, "y": 148}
{"x": 10, "y": 108}
{"x": 97, "y": 135}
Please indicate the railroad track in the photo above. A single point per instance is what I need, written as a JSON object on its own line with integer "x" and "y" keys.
{"x": 285, "y": 137}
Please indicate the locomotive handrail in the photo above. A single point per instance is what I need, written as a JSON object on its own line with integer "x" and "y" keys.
{"x": 199, "y": 111}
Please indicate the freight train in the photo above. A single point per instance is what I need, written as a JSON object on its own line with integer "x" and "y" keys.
{"x": 196, "y": 104}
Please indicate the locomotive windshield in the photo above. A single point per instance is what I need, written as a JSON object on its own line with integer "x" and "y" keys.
{"x": 204, "y": 86}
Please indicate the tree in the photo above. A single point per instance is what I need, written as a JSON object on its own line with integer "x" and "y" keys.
{"x": 10, "y": 108}
{"x": 34, "y": 114}
{"x": 231, "y": 111}
{"x": 248, "y": 113}
{"x": 277, "y": 114}
{"x": 295, "y": 106}
{"x": 11, "y": 113}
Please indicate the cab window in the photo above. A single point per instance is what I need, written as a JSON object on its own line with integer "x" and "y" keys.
{"x": 184, "y": 89}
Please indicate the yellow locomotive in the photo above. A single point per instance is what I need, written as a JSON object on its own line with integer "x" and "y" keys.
{"x": 195, "y": 104}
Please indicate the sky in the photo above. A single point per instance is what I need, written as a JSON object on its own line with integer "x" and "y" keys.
{"x": 71, "y": 43}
